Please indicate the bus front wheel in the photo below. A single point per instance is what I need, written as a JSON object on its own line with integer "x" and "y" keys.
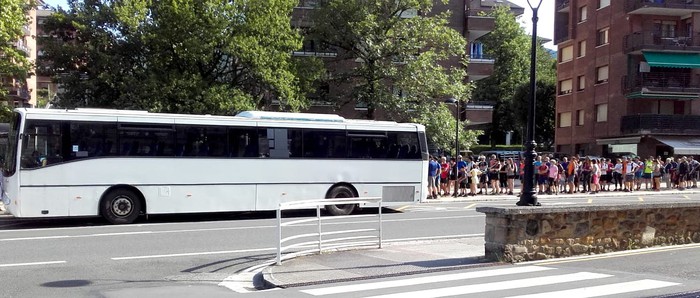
{"x": 121, "y": 206}
{"x": 339, "y": 192}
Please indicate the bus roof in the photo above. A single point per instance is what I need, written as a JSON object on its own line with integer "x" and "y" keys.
{"x": 246, "y": 116}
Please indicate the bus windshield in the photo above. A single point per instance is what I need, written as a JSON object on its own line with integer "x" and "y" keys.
{"x": 9, "y": 165}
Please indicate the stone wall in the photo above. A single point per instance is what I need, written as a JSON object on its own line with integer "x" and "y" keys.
{"x": 515, "y": 234}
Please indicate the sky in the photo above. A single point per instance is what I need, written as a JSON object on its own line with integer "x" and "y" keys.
{"x": 545, "y": 24}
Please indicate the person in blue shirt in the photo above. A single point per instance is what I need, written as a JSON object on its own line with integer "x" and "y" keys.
{"x": 433, "y": 173}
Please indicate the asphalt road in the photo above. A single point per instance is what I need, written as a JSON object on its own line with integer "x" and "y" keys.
{"x": 78, "y": 258}
{"x": 185, "y": 256}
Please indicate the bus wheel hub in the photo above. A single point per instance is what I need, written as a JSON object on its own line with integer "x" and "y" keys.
{"x": 121, "y": 206}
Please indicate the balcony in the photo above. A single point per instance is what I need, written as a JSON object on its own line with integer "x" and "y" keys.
{"x": 479, "y": 25}
{"x": 480, "y": 67}
{"x": 661, "y": 85}
{"x": 563, "y": 6}
{"x": 21, "y": 93}
{"x": 640, "y": 41}
{"x": 662, "y": 7}
{"x": 660, "y": 124}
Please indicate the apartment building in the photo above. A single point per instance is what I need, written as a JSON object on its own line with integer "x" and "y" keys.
{"x": 628, "y": 77}
{"x": 20, "y": 92}
{"x": 466, "y": 18}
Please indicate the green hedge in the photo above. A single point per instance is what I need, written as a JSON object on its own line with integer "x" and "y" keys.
{"x": 476, "y": 149}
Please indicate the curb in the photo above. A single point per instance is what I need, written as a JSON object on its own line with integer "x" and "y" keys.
{"x": 488, "y": 198}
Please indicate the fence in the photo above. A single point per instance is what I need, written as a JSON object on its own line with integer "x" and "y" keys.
{"x": 318, "y": 245}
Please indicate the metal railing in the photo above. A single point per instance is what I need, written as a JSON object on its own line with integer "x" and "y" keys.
{"x": 320, "y": 243}
{"x": 662, "y": 82}
{"x": 655, "y": 40}
{"x": 662, "y": 124}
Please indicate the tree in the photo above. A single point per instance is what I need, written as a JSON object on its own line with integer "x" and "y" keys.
{"x": 440, "y": 128}
{"x": 545, "y": 118}
{"x": 398, "y": 62}
{"x": 181, "y": 56}
{"x": 510, "y": 46}
{"x": 13, "y": 62}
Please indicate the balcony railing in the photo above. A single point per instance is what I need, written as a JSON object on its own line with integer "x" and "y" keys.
{"x": 660, "y": 124}
{"x": 480, "y": 57}
{"x": 653, "y": 6}
{"x": 671, "y": 82}
{"x": 647, "y": 40}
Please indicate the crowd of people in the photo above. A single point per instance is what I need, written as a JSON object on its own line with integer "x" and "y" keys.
{"x": 475, "y": 175}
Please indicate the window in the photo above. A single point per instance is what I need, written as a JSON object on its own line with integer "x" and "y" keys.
{"x": 41, "y": 141}
{"x": 603, "y": 3}
{"x": 246, "y": 141}
{"x": 324, "y": 144}
{"x": 308, "y": 3}
{"x": 565, "y": 87}
{"x": 602, "y": 37}
{"x": 665, "y": 28}
{"x": 565, "y": 119}
{"x": 581, "y": 48}
{"x": 283, "y": 143}
{"x": 580, "y": 117}
{"x": 601, "y": 114}
{"x": 581, "y": 83}
{"x": 567, "y": 53}
{"x": 601, "y": 75}
{"x": 582, "y": 13}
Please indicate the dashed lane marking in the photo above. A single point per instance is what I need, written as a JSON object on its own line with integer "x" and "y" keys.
{"x": 641, "y": 199}
{"x": 590, "y": 201}
{"x": 470, "y": 205}
{"x": 32, "y": 264}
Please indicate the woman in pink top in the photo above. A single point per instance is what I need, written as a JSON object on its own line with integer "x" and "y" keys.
{"x": 595, "y": 177}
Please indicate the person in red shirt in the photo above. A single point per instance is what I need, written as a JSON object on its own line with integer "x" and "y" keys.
{"x": 444, "y": 180}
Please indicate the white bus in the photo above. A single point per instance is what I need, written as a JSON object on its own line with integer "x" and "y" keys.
{"x": 121, "y": 164}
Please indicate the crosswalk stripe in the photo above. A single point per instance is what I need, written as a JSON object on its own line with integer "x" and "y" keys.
{"x": 497, "y": 286}
{"x": 423, "y": 280}
{"x": 604, "y": 290}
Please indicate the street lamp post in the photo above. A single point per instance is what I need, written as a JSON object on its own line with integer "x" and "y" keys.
{"x": 529, "y": 195}
{"x": 455, "y": 102}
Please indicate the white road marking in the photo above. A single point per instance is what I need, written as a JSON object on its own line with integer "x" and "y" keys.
{"x": 498, "y": 286}
{"x": 604, "y": 290}
{"x": 194, "y": 254}
{"x": 470, "y": 205}
{"x": 423, "y": 280}
{"x": 32, "y": 264}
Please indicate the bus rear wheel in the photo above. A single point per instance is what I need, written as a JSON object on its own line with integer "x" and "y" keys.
{"x": 339, "y": 192}
{"x": 120, "y": 206}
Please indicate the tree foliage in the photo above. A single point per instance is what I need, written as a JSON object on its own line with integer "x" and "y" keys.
{"x": 440, "y": 127}
{"x": 510, "y": 46}
{"x": 398, "y": 63}
{"x": 13, "y": 62}
{"x": 544, "y": 111}
{"x": 181, "y": 56}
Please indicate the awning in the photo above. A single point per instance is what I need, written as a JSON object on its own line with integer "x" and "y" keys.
{"x": 682, "y": 145}
{"x": 677, "y": 60}
{"x": 616, "y": 141}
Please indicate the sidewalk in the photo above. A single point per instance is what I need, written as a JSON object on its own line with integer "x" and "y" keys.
{"x": 393, "y": 259}
{"x": 396, "y": 259}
